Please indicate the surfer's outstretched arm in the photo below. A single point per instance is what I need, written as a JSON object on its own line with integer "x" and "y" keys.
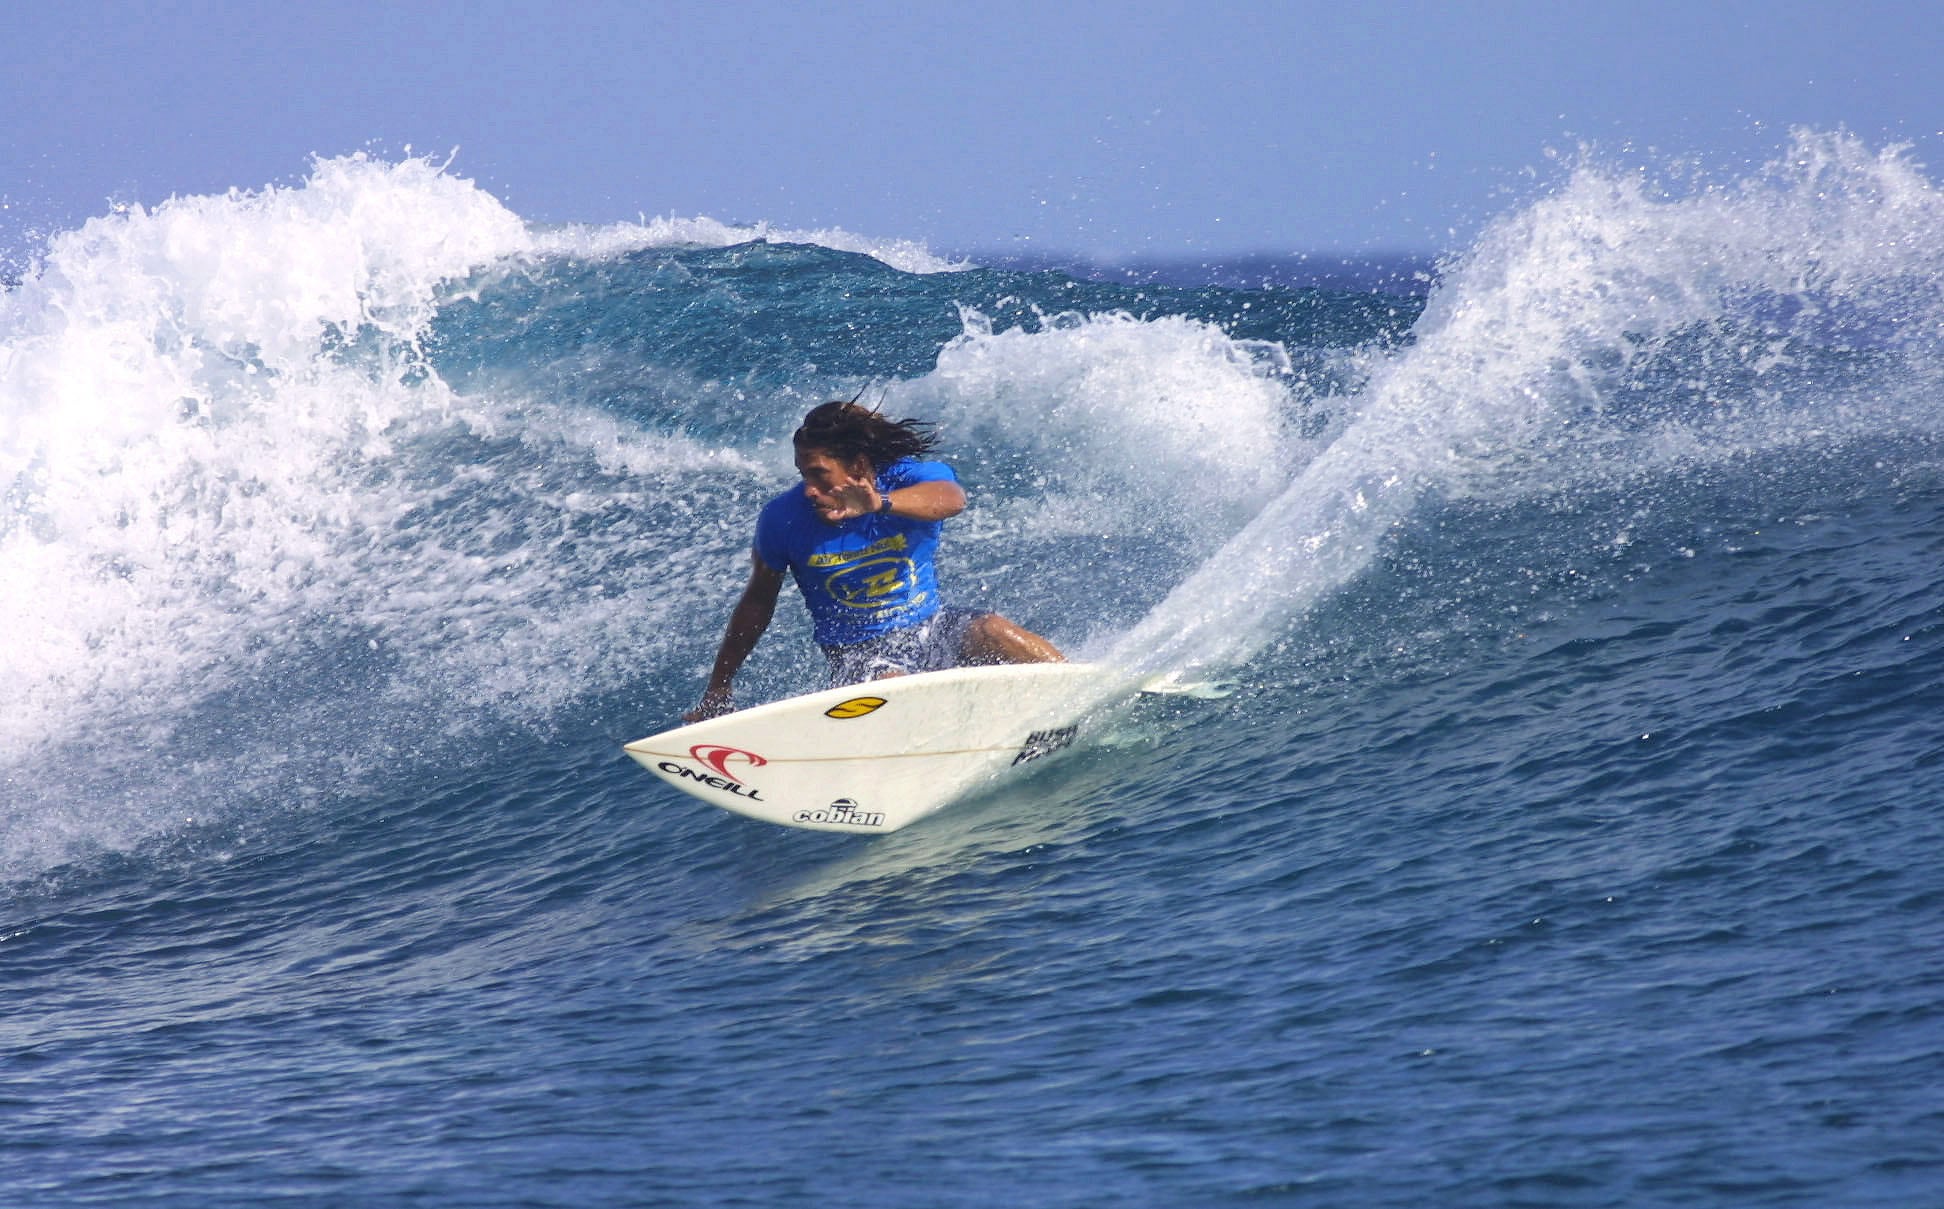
{"x": 747, "y": 622}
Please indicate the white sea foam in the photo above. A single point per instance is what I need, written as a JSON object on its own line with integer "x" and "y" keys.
{"x": 1522, "y": 363}
{"x": 234, "y": 495}
{"x": 166, "y": 373}
{"x": 1166, "y": 422}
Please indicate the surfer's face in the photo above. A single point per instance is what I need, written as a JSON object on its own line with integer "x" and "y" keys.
{"x": 826, "y": 479}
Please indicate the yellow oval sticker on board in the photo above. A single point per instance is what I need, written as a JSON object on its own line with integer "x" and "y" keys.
{"x": 856, "y": 707}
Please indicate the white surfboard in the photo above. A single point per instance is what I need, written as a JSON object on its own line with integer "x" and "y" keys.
{"x": 874, "y": 757}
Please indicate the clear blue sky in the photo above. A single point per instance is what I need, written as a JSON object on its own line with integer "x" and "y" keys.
{"x": 1130, "y": 128}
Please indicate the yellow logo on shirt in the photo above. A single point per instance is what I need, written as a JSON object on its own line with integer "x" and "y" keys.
{"x": 865, "y": 585}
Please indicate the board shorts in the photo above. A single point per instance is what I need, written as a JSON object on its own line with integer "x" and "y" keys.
{"x": 932, "y": 645}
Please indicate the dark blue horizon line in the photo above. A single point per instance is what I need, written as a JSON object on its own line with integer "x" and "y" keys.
{"x": 1393, "y": 272}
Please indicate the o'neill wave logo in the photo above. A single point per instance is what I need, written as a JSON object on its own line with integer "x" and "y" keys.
{"x": 719, "y": 758}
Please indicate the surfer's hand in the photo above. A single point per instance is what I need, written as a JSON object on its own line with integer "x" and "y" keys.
{"x": 714, "y": 705}
{"x": 850, "y": 501}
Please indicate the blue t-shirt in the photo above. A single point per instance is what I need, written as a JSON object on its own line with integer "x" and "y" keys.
{"x": 867, "y": 576}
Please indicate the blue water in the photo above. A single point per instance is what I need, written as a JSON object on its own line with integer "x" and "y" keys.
{"x": 1557, "y": 823}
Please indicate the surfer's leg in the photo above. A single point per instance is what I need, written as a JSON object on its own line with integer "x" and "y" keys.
{"x": 993, "y": 639}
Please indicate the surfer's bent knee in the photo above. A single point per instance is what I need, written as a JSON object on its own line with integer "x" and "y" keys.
{"x": 994, "y": 639}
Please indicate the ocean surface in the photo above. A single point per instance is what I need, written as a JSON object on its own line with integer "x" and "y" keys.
{"x": 1558, "y": 819}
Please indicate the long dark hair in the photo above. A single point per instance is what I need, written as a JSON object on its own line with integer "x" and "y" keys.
{"x": 845, "y": 430}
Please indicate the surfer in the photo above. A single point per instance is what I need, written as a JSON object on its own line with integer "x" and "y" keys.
{"x": 859, "y": 533}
